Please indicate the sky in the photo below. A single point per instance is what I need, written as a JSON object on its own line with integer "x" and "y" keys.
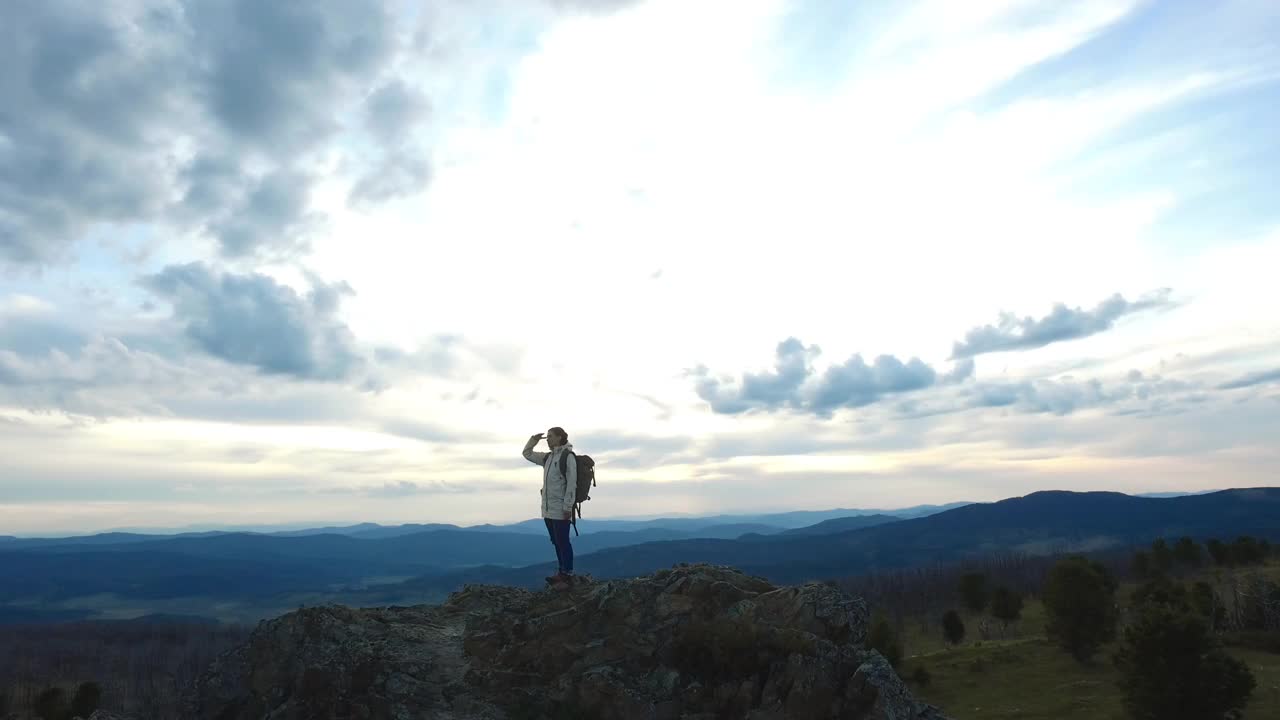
{"x": 335, "y": 262}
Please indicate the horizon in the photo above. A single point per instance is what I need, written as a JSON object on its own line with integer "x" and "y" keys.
{"x": 304, "y": 525}
{"x": 266, "y": 264}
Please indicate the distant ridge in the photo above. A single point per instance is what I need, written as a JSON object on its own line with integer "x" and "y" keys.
{"x": 1040, "y": 523}
{"x": 780, "y": 521}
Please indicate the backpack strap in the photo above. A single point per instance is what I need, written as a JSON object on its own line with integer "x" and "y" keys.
{"x": 564, "y": 464}
{"x": 564, "y": 473}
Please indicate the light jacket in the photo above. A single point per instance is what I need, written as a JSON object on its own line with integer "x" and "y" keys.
{"x": 558, "y": 491}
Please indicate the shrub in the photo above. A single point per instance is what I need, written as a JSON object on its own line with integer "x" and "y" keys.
{"x": 883, "y": 638}
{"x": 1079, "y": 601}
{"x": 86, "y": 699}
{"x": 1006, "y": 605}
{"x": 1161, "y": 591}
{"x": 51, "y": 704}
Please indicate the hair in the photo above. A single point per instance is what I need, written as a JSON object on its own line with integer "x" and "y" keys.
{"x": 564, "y": 436}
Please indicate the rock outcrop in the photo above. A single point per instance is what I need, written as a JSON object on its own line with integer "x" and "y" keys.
{"x": 693, "y": 642}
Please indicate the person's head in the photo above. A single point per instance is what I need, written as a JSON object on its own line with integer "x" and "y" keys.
{"x": 556, "y": 437}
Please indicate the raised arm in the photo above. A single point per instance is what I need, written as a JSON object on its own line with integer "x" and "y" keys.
{"x": 533, "y": 456}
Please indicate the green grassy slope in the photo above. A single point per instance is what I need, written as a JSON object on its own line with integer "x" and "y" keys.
{"x": 1018, "y": 673}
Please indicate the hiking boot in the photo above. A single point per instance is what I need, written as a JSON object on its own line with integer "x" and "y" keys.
{"x": 562, "y": 581}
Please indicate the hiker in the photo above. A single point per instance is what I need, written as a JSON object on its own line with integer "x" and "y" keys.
{"x": 558, "y": 496}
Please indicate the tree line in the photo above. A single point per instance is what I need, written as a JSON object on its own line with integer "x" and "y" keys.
{"x": 1170, "y": 655}
{"x": 56, "y": 672}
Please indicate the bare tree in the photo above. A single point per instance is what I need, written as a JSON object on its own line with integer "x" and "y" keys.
{"x": 142, "y": 668}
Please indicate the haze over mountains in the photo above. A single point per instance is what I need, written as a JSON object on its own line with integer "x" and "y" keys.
{"x": 781, "y": 520}
{"x": 246, "y": 576}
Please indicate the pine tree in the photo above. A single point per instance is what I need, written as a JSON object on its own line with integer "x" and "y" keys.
{"x": 1172, "y": 669}
{"x": 1161, "y": 556}
{"x": 1188, "y": 553}
{"x": 1079, "y": 600}
{"x": 1006, "y": 605}
{"x": 1141, "y": 565}
{"x": 1219, "y": 551}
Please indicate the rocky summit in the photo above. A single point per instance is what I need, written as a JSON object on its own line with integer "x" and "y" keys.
{"x": 692, "y": 642}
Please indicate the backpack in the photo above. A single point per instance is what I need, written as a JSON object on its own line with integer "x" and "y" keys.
{"x": 586, "y": 481}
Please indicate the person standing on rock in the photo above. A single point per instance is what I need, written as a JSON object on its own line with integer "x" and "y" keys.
{"x": 559, "y": 486}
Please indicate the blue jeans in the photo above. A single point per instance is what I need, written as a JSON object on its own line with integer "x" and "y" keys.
{"x": 559, "y": 532}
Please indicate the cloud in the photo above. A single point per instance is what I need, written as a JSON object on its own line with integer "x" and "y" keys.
{"x": 273, "y": 214}
{"x": 253, "y": 320}
{"x": 275, "y": 78}
{"x": 35, "y": 334}
{"x": 231, "y": 348}
{"x": 855, "y": 383}
{"x": 394, "y": 116}
{"x": 201, "y": 113}
{"x": 437, "y": 356}
{"x": 418, "y": 430}
{"x": 412, "y": 488}
{"x": 274, "y": 68}
{"x": 394, "y": 109}
{"x": 1135, "y": 393}
{"x": 1062, "y": 323}
{"x": 630, "y": 451}
{"x": 792, "y": 383}
{"x": 102, "y": 378}
{"x": 767, "y": 391}
{"x": 80, "y": 100}
{"x": 1256, "y": 378}
{"x": 87, "y": 364}
{"x": 591, "y": 6}
{"x": 398, "y": 175}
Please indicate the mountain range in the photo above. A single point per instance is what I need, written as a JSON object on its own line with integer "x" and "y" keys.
{"x": 240, "y": 575}
{"x": 692, "y": 524}
{"x": 1039, "y": 523}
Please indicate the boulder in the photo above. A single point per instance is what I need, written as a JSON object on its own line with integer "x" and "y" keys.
{"x": 693, "y": 641}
